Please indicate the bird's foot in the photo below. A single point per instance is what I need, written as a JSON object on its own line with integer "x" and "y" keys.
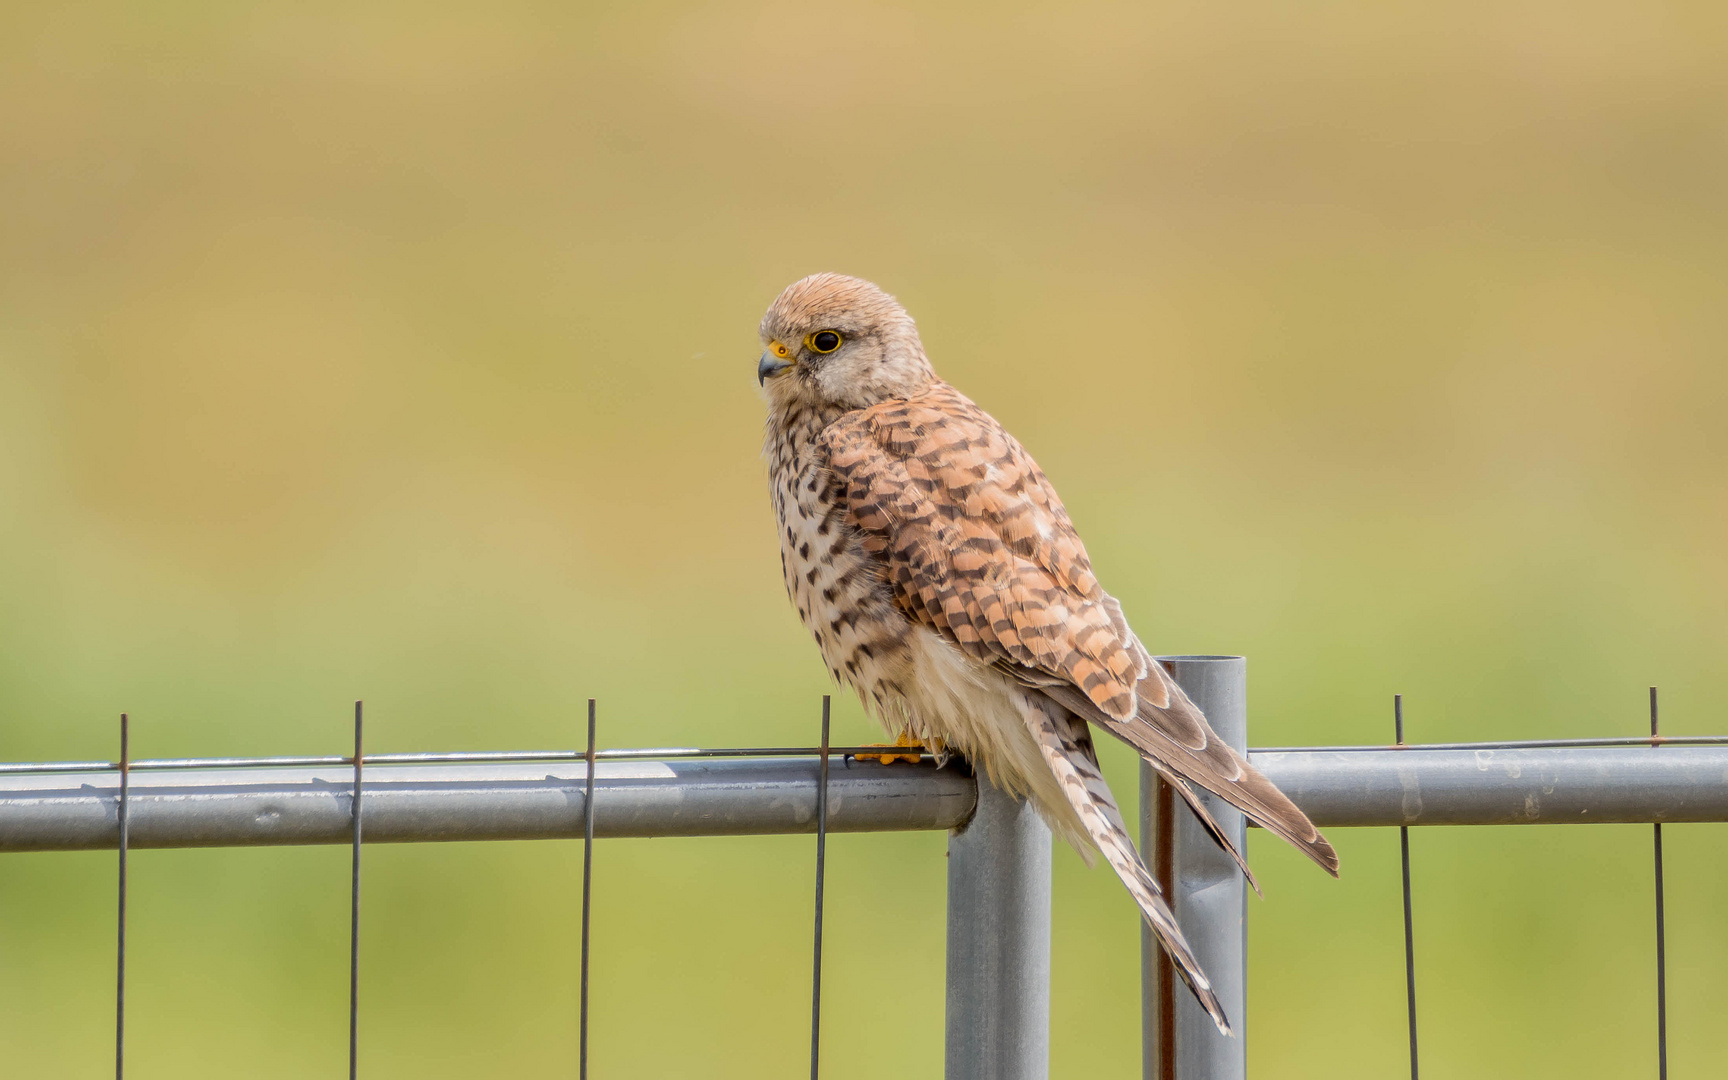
{"x": 906, "y": 742}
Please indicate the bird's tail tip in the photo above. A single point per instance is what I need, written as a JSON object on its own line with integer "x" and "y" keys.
{"x": 1209, "y": 1001}
{"x": 1322, "y": 852}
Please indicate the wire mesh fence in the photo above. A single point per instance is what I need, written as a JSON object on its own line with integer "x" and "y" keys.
{"x": 997, "y": 1003}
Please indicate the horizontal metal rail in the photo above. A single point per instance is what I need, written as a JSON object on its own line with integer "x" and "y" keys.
{"x": 504, "y": 797}
{"x": 475, "y": 801}
{"x": 1600, "y": 784}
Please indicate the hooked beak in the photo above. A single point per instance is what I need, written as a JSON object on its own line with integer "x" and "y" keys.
{"x": 775, "y": 360}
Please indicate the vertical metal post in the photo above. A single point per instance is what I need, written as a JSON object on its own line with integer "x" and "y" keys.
{"x": 1409, "y": 918}
{"x": 998, "y": 1008}
{"x": 1661, "y": 925}
{"x": 1207, "y": 892}
{"x": 123, "y": 816}
{"x": 587, "y": 895}
{"x": 354, "y": 907}
{"x": 821, "y": 880}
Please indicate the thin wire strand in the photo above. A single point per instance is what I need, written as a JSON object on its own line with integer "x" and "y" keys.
{"x": 1525, "y": 744}
{"x": 123, "y": 816}
{"x": 821, "y": 874}
{"x": 1661, "y": 932}
{"x": 587, "y": 888}
{"x": 463, "y": 758}
{"x": 354, "y": 908}
{"x": 1164, "y": 811}
{"x": 1409, "y": 918}
{"x": 682, "y": 752}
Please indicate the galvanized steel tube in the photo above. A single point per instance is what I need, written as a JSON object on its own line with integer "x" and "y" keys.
{"x": 311, "y": 805}
{"x": 1567, "y": 785}
{"x": 1208, "y": 894}
{"x": 998, "y": 1008}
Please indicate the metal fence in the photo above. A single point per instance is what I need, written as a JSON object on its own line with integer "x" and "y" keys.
{"x": 998, "y": 929}
{"x": 1557, "y": 781}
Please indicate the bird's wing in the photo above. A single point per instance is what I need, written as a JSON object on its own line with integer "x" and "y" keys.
{"x": 1207, "y": 821}
{"x": 978, "y": 547}
{"x": 1067, "y": 749}
{"x": 1177, "y": 738}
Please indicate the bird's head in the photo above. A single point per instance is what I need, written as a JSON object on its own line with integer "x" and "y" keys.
{"x": 839, "y": 341}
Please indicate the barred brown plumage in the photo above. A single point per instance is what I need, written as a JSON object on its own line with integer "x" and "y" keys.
{"x": 943, "y": 581}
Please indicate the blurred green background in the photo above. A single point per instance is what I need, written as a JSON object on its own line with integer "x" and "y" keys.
{"x": 406, "y": 352}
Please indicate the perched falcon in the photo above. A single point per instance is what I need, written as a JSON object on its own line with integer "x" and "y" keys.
{"x": 943, "y": 581}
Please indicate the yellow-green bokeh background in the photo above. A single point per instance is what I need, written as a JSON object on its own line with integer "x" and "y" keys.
{"x": 405, "y": 352}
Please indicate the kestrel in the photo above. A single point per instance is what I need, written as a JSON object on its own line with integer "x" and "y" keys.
{"x": 942, "y": 580}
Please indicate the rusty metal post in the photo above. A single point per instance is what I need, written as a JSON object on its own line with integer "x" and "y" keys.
{"x": 1207, "y": 892}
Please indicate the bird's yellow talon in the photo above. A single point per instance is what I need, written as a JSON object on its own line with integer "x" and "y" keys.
{"x": 904, "y": 741}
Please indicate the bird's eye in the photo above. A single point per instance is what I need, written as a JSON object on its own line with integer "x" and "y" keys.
{"x": 823, "y": 341}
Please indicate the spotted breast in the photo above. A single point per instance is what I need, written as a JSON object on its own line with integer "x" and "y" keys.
{"x": 839, "y": 588}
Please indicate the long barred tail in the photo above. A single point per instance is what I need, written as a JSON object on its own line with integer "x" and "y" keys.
{"x": 1067, "y": 748}
{"x": 1176, "y": 739}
